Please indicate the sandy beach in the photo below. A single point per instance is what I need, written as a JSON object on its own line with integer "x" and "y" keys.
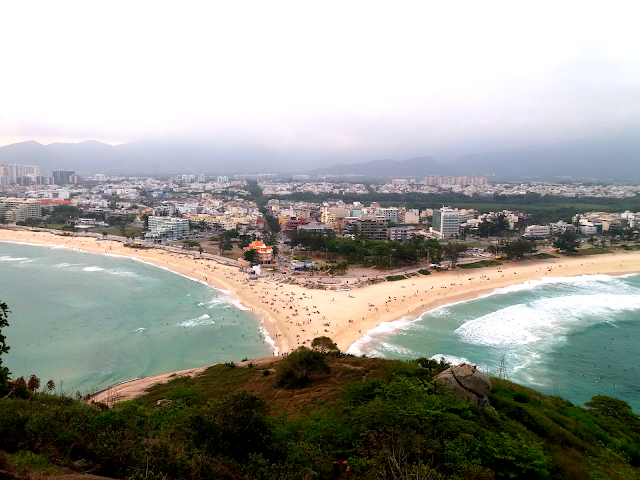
{"x": 293, "y": 315}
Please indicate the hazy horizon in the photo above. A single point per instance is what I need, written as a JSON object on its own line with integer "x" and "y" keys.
{"x": 342, "y": 82}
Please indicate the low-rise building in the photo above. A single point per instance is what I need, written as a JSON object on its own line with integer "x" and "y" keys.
{"x": 264, "y": 252}
{"x": 537, "y": 231}
{"x": 398, "y": 234}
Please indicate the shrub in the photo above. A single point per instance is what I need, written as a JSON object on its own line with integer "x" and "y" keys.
{"x": 324, "y": 345}
{"x": 293, "y": 370}
{"x": 521, "y": 397}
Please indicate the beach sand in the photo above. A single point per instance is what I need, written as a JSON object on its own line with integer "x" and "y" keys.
{"x": 294, "y": 315}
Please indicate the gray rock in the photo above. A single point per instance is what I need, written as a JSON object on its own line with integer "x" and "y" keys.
{"x": 466, "y": 381}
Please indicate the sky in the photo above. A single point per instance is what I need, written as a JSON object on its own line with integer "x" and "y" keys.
{"x": 357, "y": 79}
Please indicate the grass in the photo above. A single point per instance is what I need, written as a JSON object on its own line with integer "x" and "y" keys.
{"x": 476, "y": 244}
{"x": 480, "y": 264}
{"x": 54, "y": 226}
{"x": 544, "y": 256}
{"x": 592, "y": 251}
{"x": 136, "y": 231}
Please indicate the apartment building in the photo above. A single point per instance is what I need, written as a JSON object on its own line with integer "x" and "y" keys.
{"x": 372, "y": 227}
{"x": 446, "y": 223}
{"x": 18, "y": 210}
{"x": 167, "y": 228}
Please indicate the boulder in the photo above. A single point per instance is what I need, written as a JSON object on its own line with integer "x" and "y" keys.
{"x": 467, "y": 382}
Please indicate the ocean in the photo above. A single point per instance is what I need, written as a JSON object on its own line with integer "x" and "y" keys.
{"x": 576, "y": 337}
{"x": 88, "y": 321}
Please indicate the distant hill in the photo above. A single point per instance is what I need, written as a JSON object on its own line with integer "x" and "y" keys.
{"x": 603, "y": 159}
{"x": 616, "y": 159}
{"x": 417, "y": 166}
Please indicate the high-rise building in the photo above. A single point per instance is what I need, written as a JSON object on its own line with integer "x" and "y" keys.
{"x": 15, "y": 170}
{"x": 61, "y": 177}
{"x": 446, "y": 223}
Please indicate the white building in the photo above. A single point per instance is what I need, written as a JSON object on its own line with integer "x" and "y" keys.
{"x": 167, "y": 228}
{"x": 398, "y": 234}
{"x": 391, "y": 213}
{"x": 535, "y": 231}
{"x": 446, "y": 223}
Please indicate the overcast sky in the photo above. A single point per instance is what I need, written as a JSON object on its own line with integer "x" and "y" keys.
{"x": 361, "y": 79}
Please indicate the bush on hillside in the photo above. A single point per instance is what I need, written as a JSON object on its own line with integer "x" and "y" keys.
{"x": 293, "y": 370}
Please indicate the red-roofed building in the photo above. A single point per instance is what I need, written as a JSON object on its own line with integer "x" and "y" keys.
{"x": 265, "y": 252}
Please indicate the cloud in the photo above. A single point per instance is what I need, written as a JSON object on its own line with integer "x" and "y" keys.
{"x": 361, "y": 78}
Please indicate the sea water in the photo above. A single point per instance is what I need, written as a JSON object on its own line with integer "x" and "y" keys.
{"x": 88, "y": 321}
{"x": 576, "y": 337}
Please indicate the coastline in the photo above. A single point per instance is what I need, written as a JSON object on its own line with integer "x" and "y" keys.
{"x": 294, "y": 315}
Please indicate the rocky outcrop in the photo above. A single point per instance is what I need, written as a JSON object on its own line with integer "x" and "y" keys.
{"x": 466, "y": 381}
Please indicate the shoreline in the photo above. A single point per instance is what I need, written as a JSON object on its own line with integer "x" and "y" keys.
{"x": 293, "y": 315}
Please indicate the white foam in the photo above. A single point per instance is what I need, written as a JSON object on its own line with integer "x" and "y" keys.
{"x": 238, "y": 305}
{"x": 582, "y": 280}
{"x": 12, "y": 259}
{"x": 451, "y": 359}
{"x": 93, "y": 269}
{"x": 141, "y": 329}
{"x": 376, "y": 334}
{"x": 195, "y": 322}
{"x": 543, "y": 319}
{"x": 123, "y": 273}
{"x": 268, "y": 339}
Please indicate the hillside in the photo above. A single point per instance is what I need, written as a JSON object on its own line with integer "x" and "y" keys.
{"x": 385, "y": 417}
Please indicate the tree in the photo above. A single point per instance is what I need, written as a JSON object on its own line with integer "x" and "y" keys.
{"x": 4, "y": 348}
{"x": 567, "y": 241}
{"x": 224, "y": 243}
{"x": 324, "y": 345}
{"x": 51, "y": 386}
{"x": 3, "y": 219}
{"x": 611, "y": 407}
{"x": 250, "y": 256}
{"x": 293, "y": 370}
{"x": 34, "y": 384}
{"x": 453, "y": 251}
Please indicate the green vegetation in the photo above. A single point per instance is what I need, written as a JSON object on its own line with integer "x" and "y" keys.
{"x": 386, "y": 418}
{"x": 395, "y": 278}
{"x": 293, "y": 371}
{"x": 591, "y": 251}
{"x": 4, "y": 348}
{"x": 381, "y": 254}
{"x": 127, "y": 232}
{"x": 480, "y": 264}
{"x": 567, "y": 241}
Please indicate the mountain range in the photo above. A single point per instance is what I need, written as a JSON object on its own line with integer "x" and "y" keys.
{"x": 616, "y": 159}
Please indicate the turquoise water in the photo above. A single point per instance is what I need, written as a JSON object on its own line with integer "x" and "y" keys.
{"x": 578, "y": 336}
{"x": 92, "y": 320}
